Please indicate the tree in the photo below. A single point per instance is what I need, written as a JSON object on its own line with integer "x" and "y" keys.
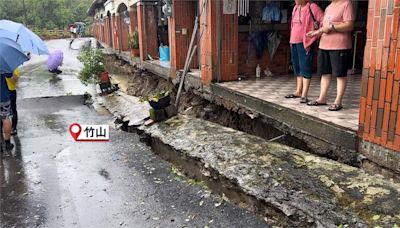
{"x": 48, "y": 14}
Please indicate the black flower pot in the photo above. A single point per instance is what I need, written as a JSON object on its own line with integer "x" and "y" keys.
{"x": 162, "y": 103}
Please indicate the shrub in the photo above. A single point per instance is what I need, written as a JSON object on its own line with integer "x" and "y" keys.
{"x": 93, "y": 64}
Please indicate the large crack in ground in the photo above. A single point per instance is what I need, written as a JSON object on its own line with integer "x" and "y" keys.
{"x": 226, "y": 113}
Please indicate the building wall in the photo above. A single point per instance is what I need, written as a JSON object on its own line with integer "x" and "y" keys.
{"x": 379, "y": 103}
{"x": 134, "y": 18}
{"x": 183, "y": 18}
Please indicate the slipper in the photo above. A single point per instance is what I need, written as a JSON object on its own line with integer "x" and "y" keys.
{"x": 335, "y": 107}
{"x": 291, "y": 96}
{"x": 315, "y": 103}
{"x": 304, "y": 100}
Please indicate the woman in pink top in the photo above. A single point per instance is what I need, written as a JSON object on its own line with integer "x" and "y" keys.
{"x": 334, "y": 50}
{"x": 306, "y": 17}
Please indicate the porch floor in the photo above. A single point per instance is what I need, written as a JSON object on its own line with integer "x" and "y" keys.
{"x": 273, "y": 90}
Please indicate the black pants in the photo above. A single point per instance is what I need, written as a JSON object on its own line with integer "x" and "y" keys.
{"x": 13, "y": 98}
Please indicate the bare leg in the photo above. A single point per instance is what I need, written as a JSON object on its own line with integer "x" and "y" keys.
{"x": 306, "y": 86}
{"x": 7, "y": 129}
{"x": 325, "y": 83}
{"x": 299, "y": 85}
{"x": 341, "y": 88}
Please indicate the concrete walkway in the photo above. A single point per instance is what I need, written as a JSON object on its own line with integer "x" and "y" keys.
{"x": 295, "y": 187}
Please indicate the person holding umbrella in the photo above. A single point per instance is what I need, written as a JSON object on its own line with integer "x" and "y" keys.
{"x": 24, "y": 41}
{"x": 54, "y": 61}
{"x": 11, "y": 56}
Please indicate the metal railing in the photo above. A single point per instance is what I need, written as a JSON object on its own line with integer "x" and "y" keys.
{"x": 48, "y": 34}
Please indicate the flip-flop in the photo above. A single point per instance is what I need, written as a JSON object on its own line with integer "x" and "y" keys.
{"x": 291, "y": 96}
{"x": 315, "y": 103}
{"x": 304, "y": 100}
{"x": 335, "y": 107}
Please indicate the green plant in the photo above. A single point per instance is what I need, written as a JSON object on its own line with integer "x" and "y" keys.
{"x": 93, "y": 64}
{"x": 155, "y": 97}
{"x": 133, "y": 40}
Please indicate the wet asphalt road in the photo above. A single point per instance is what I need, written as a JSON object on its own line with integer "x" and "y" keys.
{"x": 51, "y": 181}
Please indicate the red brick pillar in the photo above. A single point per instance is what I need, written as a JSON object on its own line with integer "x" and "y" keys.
{"x": 115, "y": 34}
{"x": 180, "y": 31}
{"x": 147, "y": 26}
{"x": 379, "y": 103}
{"x": 95, "y": 29}
{"x": 110, "y": 32}
{"x": 106, "y": 30}
{"x": 102, "y": 31}
{"x": 120, "y": 31}
{"x": 125, "y": 34}
{"x": 222, "y": 64}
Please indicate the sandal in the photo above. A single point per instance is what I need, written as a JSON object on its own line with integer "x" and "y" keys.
{"x": 335, "y": 107}
{"x": 304, "y": 100}
{"x": 291, "y": 96}
{"x": 315, "y": 103}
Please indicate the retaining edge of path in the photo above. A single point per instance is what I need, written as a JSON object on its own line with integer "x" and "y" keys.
{"x": 316, "y": 127}
{"x": 294, "y": 187}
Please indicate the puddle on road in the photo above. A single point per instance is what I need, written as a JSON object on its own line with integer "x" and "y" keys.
{"x": 53, "y": 123}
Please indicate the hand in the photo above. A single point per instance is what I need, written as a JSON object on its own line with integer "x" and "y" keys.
{"x": 314, "y": 33}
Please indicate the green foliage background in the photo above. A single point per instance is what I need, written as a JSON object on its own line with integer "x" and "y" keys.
{"x": 50, "y": 14}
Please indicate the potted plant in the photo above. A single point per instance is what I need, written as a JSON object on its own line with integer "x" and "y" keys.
{"x": 159, "y": 100}
{"x": 133, "y": 40}
{"x": 93, "y": 70}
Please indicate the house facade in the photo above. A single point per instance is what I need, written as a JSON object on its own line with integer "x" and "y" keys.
{"x": 227, "y": 49}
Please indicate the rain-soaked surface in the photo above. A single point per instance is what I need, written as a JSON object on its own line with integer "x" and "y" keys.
{"x": 51, "y": 181}
{"x": 38, "y": 82}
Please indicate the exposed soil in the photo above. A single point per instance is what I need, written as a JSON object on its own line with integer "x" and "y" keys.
{"x": 228, "y": 114}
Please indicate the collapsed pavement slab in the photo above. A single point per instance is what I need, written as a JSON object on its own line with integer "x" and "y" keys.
{"x": 299, "y": 188}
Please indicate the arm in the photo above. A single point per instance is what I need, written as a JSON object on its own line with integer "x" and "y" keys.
{"x": 15, "y": 75}
{"x": 342, "y": 27}
{"x": 346, "y": 26}
{"x": 15, "y": 78}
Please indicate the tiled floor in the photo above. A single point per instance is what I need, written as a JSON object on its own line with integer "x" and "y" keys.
{"x": 165, "y": 64}
{"x": 273, "y": 89}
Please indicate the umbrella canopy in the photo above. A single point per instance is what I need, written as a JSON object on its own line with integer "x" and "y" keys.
{"x": 55, "y": 60}
{"x": 28, "y": 40}
{"x": 11, "y": 55}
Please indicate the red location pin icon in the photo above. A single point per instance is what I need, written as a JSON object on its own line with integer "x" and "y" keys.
{"x": 75, "y": 130}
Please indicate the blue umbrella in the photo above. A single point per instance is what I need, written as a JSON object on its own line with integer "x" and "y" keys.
{"x": 11, "y": 55}
{"x": 28, "y": 40}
